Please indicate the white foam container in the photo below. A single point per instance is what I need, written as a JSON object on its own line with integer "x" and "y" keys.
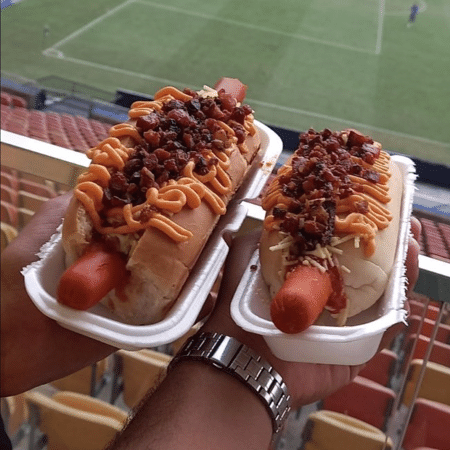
{"x": 355, "y": 343}
{"x": 41, "y": 277}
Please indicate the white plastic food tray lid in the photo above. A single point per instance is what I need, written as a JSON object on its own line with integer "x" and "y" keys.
{"x": 41, "y": 277}
{"x": 352, "y": 344}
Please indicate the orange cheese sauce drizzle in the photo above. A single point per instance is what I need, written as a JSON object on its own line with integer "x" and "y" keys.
{"x": 190, "y": 190}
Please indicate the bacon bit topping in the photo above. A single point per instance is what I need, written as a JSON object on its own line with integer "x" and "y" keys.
{"x": 327, "y": 168}
{"x": 181, "y": 131}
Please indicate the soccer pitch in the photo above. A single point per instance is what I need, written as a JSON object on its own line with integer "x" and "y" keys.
{"x": 316, "y": 63}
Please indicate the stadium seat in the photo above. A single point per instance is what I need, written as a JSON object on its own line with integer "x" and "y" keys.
{"x": 435, "y": 385}
{"x": 36, "y": 188}
{"x": 14, "y": 412}
{"x": 141, "y": 370}
{"x": 24, "y": 216}
{"x": 381, "y": 368}
{"x": 9, "y": 194}
{"x": 9, "y": 179}
{"x": 440, "y": 352}
{"x": 363, "y": 399}
{"x": 443, "y": 332}
{"x": 9, "y": 233}
{"x": 89, "y": 380}
{"x": 18, "y": 102}
{"x": 9, "y": 214}
{"x": 330, "y": 430}
{"x": 6, "y": 99}
{"x": 31, "y": 201}
{"x": 73, "y": 421}
{"x": 429, "y": 426}
{"x": 445, "y": 230}
{"x": 419, "y": 309}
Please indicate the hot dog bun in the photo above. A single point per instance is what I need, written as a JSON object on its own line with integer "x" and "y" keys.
{"x": 160, "y": 257}
{"x": 364, "y": 264}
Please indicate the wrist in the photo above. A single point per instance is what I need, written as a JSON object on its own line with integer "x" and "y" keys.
{"x": 238, "y": 360}
{"x": 226, "y": 407}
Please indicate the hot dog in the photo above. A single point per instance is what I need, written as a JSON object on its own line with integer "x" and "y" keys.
{"x": 151, "y": 197}
{"x": 335, "y": 207}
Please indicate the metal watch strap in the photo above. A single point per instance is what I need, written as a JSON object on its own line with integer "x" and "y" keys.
{"x": 240, "y": 361}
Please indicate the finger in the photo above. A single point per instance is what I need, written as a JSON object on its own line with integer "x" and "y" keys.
{"x": 416, "y": 228}
{"x": 228, "y": 237}
{"x": 412, "y": 264}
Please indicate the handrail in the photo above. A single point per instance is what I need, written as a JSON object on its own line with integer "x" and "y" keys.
{"x": 42, "y": 159}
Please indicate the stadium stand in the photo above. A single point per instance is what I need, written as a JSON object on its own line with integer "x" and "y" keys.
{"x": 418, "y": 345}
{"x": 429, "y": 426}
{"x": 435, "y": 385}
{"x": 331, "y": 430}
{"x": 425, "y": 328}
{"x": 14, "y": 412}
{"x": 9, "y": 233}
{"x": 88, "y": 381}
{"x": 381, "y": 368}
{"x": 354, "y": 398}
{"x": 31, "y": 95}
{"x": 72, "y": 421}
{"x": 140, "y": 371}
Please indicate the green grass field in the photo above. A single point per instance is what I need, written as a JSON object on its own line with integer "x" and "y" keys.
{"x": 316, "y": 63}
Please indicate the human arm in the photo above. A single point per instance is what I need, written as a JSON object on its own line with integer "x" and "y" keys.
{"x": 34, "y": 348}
{"x": 198, "y": 406}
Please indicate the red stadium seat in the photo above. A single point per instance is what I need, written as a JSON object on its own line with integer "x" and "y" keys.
{"x": 18, "y": 102}
{"x": 418, "y": 309}
{"x": 429, "y": 426}
{"x": 443, "y": 332}
{"x": 363, "y": 399}
{"x": 29, "y": 201}
{"x": 440, "y": 352}
{"x": 24, "y": 216}
{"x": 36, "y": 188}
{"x": 10, "y": 180}
{"x": 9, "y": 195}
{"x": 9, "y": 214}
{"x": 381, "y": 367}
{"x": 6, "y": 99}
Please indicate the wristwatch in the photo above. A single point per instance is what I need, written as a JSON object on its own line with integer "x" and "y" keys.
{"x": 228, "y": 354}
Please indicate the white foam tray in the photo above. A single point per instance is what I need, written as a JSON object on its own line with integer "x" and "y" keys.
{"x": 352, "y": 344}
{"x": 41, "y": 277}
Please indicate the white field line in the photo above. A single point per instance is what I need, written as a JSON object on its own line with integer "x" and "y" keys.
{"x": 87, "y": 26}
{"x": 255, "y": 27}
{"x": 380, "y": 26}
{"x": 349, "y": 122}
{"x": 118, "y": 70}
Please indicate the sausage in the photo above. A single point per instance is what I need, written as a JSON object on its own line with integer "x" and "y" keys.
{"x": 90, "y": 278}
{"x": 301, "y": 299}
{"x": 232, "y": 86}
